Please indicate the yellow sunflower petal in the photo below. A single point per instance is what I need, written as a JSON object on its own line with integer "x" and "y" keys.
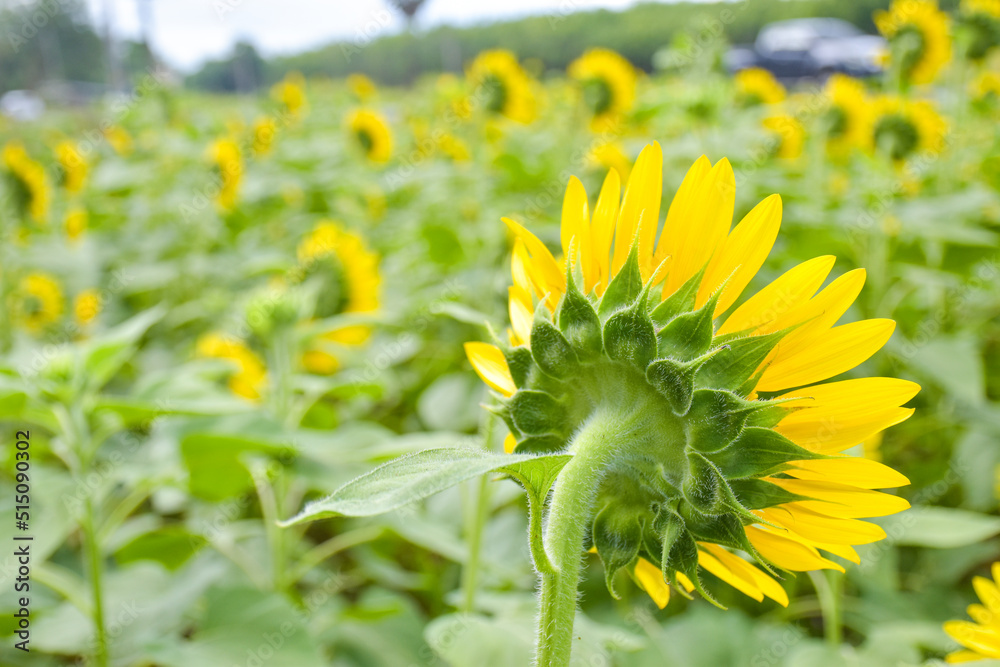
{"x": 854, "y": 470}
{"x": 841, "y": 500}
{"x": 651, "y": 580}
{"x": 830, "y": 353}
{"x": 640, "y": 209}
{"x": 575, "y": 216}
{"x": 963, "y": 656}
{"x": 521, "y": 315}
{"x": 814, "y": 526}
{"x": 680, "y": 213}
{"x": 550, "y": 273}
{"x": 491, "y": 366}
{"x": 509, "y": 443}
{"x": 988, "y": 593}
{"x": 788, "y": 291}
{"x": 819, "y": 313}
{"x": 742, "y": 254}
{"x": 788, "y": 553}
{"x": 767, "y": 585}
{"x": 985, "y": 641}
{"x": 603, "y": 230}
{"x": 735, "y": 577}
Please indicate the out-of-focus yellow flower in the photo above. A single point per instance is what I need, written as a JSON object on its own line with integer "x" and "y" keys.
{"x": 847, "y": 115}
{"x": 981, "y": 19}
{"x": 229, "y": 165}
{"x": 291, "y": 93}
{"x": 790, "y": 135}
{"x": 75, "y": 223}
{"x": 372, "y": 133}
{"x": 363, "y": 88}
{"x": 38, "y": 301}
{"x": 985, "y": 85}
{"x": 86, "y": 306}
{"x": 919, "y": 38}
{"x": 453, "y": 147}
{"x": 264, "y": 130}
{"x": 901, "y": 127}
{"x": 31, "y": 187}
{"x": 357, "y": 268}
{"x": 120, "y": 140}
{"x": 981, "y": 637}
{"x": 250, "y": 375}
{"x": 609, "y": 155}
{"x": 756, "y": 85}
{"x": 74, "y": 166}
{"x": 987, "y": 7}
{"x": 502, "y": 85}
{"x": 608, "y": 84}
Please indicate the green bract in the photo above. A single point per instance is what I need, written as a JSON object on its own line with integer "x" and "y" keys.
{"x": 688, "y": 468}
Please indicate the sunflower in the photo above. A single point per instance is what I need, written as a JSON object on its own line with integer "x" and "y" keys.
{"x": 75, "y": 223}
{"x": 74, "y": 166}
{"x": 350, "y": 277}
{"x": 700, "y": 442}
{"x": 453, "y": 147}
{"x": 229, "y": 167}
{"x": 86, "y": 306}
{"x": 608, "y": 83}
{"x": 361, "y": 86}
{"x": 31, "y": 187}
{"x": 981, "y": 20}
{"x": 291, "y": 93}
{"x": 755, "y": 85}
{"x": 984, "y": 86}
{"x": 901, "y": 128}
{"x": 38, "y": 302}
{"x": 789, "y": 134}
{"x": 264, "y": 130}
{"x": 980, "y": 638}
{"x": 372, "y": 133}
{"x": 120, "y": 140}
{"x": 250, "y": 375}
{"x": 610, "y": 155}
{"x": 919, "y": 38}
{"x": 846, "y": 118}
{"x": 502, "y": 85}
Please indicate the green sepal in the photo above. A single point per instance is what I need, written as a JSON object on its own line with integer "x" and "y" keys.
{"x": 689, "y": 335}
{"x": 727, "y": 530}
{"x": 759, "y": 451}
{"x": 770, "y": 413}
{"x": 757, "y": 494}
{"x": 716, "y": 418}
{"x": 520, "y": 362}
{"x": 550, "y": 349}
{"x": 536, "y": 412}
{"x": 617, "y": 534}
{"x": 578, "y": 321}
{"x": 734, "y": 366}
{"x": 630, "y": 336}
{"x": 702, "y": 486}
{"x": 675, "y": 380}
{"x": 625, "y": 287}
{"x": 681, "y": 301}
{"x": 668, "y": 526}
{"x": 540, "y": 444}
{"x": 684, "y": 558}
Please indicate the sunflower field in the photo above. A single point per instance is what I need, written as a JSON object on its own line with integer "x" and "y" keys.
{"x": 511, "y": 367}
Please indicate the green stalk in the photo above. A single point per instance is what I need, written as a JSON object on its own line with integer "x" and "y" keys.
{"x": 570, "y": 514}
{"x": 95, "y": 568}
{"x": 476, "y": 520}
{"x": 829, "y": 589}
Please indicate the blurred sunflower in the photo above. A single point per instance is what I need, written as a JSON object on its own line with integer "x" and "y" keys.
{"x": 372, "y": 134}
{"x": 610, "y": 155}
{"x": 38, "y": 302}
{"x": 984, "y": 86}
{"x": 250, "y": 374}
{"x": 607, "y": 82}
{"x": 75, "y": 223}
{"x": 361, "y": 86}
{"x": 503, "y": 85}
{"x": 120, "y": 140}
{"x": 981, "y": 21}
{"x": 348, "y": 270}
{"x": 229, "y": 168}
{"x": 755, "y": 85}
{"x": 74, "y": 166}
{"x": 264, "y": 130}
{"x": 846, "y": 118}
{"x": 919, "y": 38}
{"x": 456, "y": 149}
{"x": 697, "y": 446}
{"x": 901, "y": 128}
{"x": 31, "y": 187}
{"x": 291, "y": 93}
{"x": 981, "y": 638}
{"x": 86, "y": 306}
{"x": 789, "y": 133}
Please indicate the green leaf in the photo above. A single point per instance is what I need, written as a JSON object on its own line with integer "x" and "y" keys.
{"x": 939, "y": 527}
{"x": 104, "y": 356}
{"x": 405, "y": 480}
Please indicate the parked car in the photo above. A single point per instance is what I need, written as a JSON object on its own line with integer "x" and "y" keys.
{"x": 810, "y": 49}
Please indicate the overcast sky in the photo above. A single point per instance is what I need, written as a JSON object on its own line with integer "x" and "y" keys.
{"x": 187, "y": 32}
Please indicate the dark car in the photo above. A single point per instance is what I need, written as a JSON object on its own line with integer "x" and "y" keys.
{"x": 810, "y": 49}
